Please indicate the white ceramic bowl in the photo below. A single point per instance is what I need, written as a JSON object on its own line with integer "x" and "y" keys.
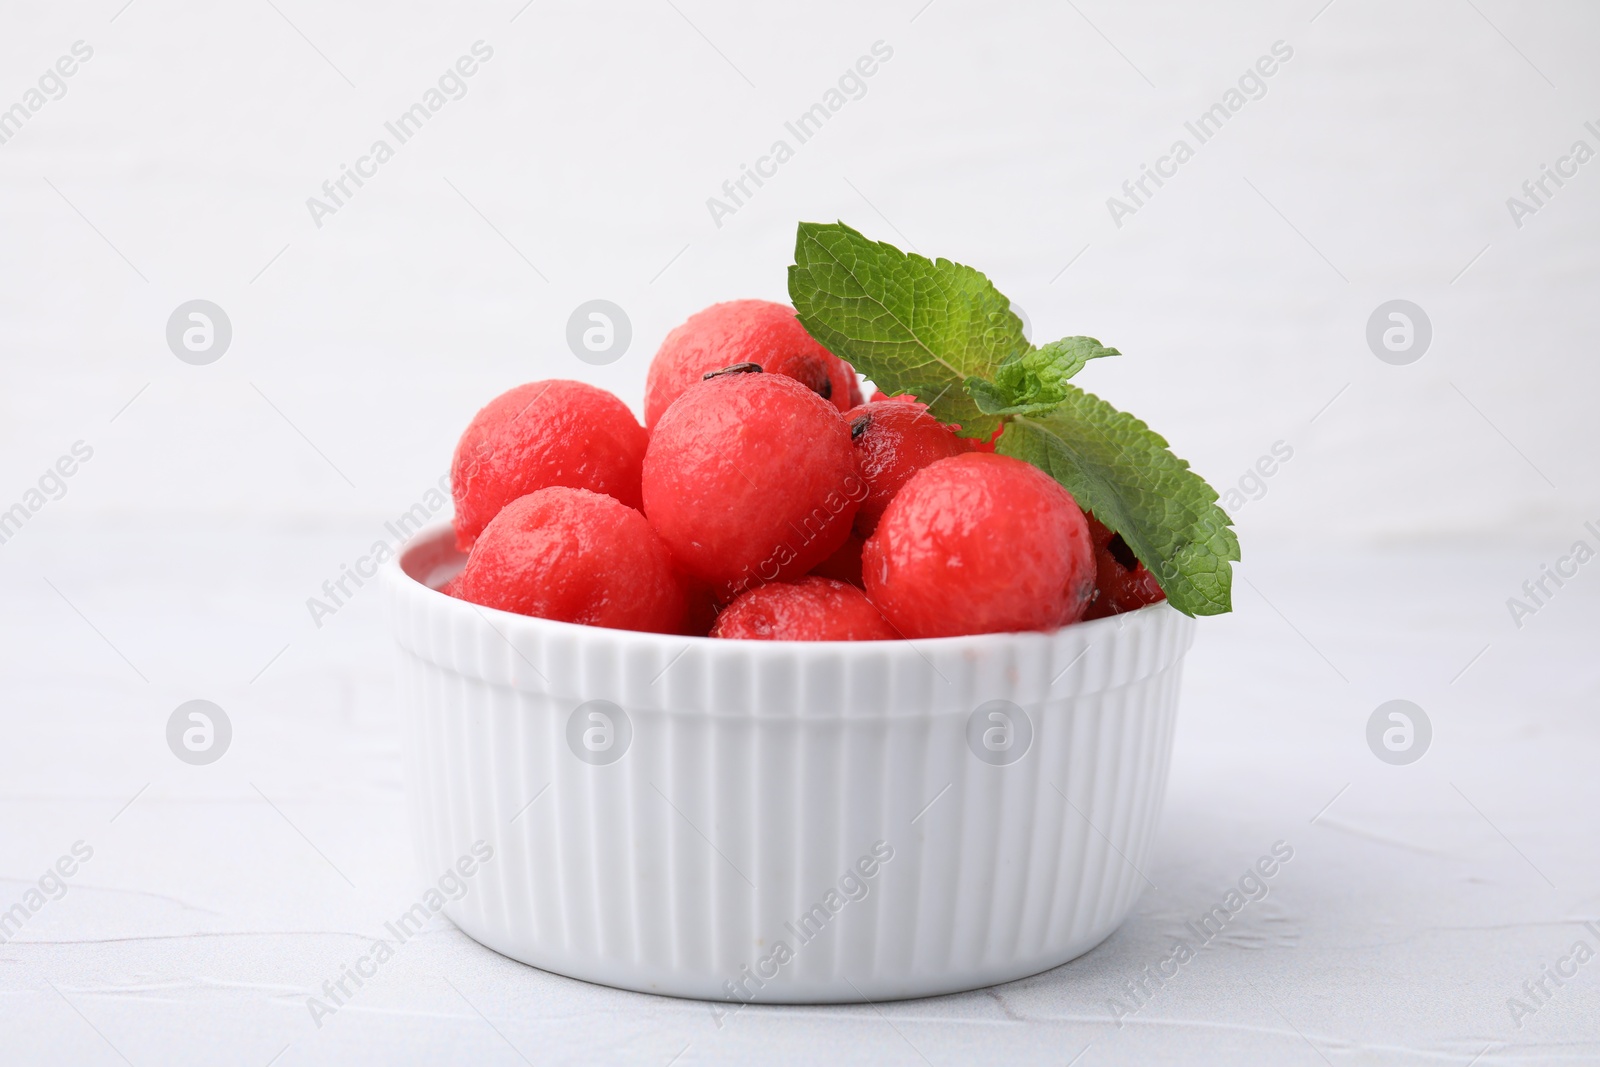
{"x": 782, "y": 821}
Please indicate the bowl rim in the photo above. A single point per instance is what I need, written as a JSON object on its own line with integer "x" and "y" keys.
{"x": 402, "y": 580}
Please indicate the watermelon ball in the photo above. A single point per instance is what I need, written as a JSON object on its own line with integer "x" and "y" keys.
{"x": 1121, "y": 582}
{"x": 574, "y": 556}
{"x": 539, "y": 435}
{"x": 970, "y": 444}
{"x": 751, "y": 478}
{"x": 980, "y": 543}
{"x": 745, "y": 331}
{"x": 893, "y": 441}
{"x": 810, "y": 609}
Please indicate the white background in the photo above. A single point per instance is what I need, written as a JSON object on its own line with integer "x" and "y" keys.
{"x": 578, "y": 165}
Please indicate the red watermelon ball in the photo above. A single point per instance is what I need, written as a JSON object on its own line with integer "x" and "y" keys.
{"x": 809, "y": 609}
{"x": 893, "y": 441}
{"x": 575, "y": 556}
{"x": 751, "y": 478}
{"x": 745, "y": 331}
{"x": 540, "y": 435}
{"x": 980, "y": 543}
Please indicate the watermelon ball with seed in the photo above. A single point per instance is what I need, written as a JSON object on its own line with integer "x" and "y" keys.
{"x": 539, "y": 435}
{"x": 745, "y": 331}
{"x": 980, "y": 543}
{"x": 751, "y": 478}
{"x": 893, "y": 441}
{"x": 809, "y": 609}
{"x": 969, "y": 444}
{"x": 1121, "y": 582}
{"x": 574, "y": 556}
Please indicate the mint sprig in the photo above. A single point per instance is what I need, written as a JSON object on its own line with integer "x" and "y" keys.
{"x": 914, "y": 325}
{"x": 1035, "y": 381}
{"x": 942, "y": 332}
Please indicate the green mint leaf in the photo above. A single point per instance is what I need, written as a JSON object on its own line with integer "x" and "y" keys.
{"x": 942, "y": 332}
{"x": 1031, "y": 383}
{"x": 1120, "y": 469}
{"x": 993, "y": 400}
{"x": 1041, "y": 373}
{"x": 911, "y": 324}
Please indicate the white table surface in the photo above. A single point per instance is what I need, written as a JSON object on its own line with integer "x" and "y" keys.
{"x": 1418, "y": 900}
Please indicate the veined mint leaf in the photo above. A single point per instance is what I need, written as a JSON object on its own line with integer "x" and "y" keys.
{"x": 1031, "y": 383}
{"x": 1120, "y": 469}
{"x": 942, "y": 332}
{"x": 1039, "y": 374}
{"x": 993, "y": 400}
{"x": 911, "y": 324}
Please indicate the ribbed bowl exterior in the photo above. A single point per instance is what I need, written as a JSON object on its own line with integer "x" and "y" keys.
{"x": 821, "y": 797}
